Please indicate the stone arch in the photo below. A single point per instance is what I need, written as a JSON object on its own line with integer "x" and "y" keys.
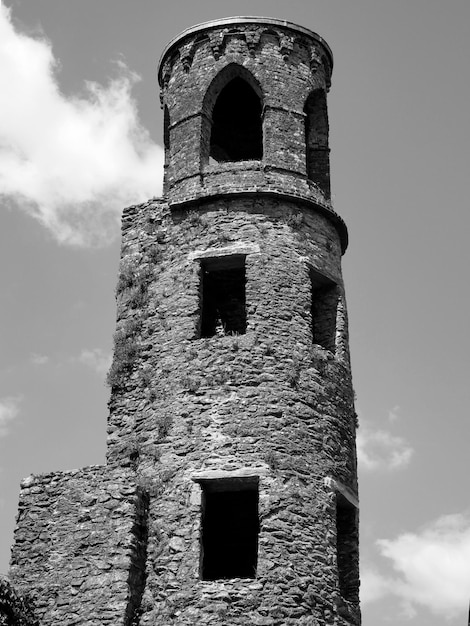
{"x": 316, "y": 140}
{"x": 232, "y": 125}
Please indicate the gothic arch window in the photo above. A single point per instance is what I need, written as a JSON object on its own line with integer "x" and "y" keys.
{"x": 316, "y": 141}
{"x": 233, "y": 118}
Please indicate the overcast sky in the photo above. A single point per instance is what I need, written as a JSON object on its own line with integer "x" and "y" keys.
{"x": 81, "y": 137}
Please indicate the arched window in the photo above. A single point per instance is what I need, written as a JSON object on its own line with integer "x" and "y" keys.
{"x": 316, "y": 141}
{"x": 236, "y": 133}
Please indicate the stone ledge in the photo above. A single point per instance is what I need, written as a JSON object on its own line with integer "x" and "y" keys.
{"x": 199, "y": 197}
{"x": 237, "y": 248}
{"x": 244, "y": 473}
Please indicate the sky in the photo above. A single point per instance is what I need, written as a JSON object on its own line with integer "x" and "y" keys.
{"x": 81, "y": 137}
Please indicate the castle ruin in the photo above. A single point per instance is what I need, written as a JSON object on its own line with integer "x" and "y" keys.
{"x": 229, "y": 494}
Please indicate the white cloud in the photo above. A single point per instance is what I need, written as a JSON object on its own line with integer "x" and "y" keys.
{"x": 431, "y": 568}
{"x": 71, "y": 162}
{"x": 9, "y": 409}
{"x": 380, "y": 450}
{"x": 374, "y": 586}
{"x": 39, "y": 359}
{"x": 394, "y": 413}
{"x": 97, "y": 360}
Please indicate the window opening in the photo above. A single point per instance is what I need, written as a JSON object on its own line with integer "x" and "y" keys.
{"x": 236, "y": 124}
{"x": 223, "y": 310}
{"x": 324, "y": 309}
{"x": 316, "y": 141}
{"x": 166, "y": 128}
{"x": 229, "y": 529}
{"x": 347, "y": 548}
{"x": 166, "y": 134}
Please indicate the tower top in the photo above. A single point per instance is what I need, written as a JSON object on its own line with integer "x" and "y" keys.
{"x": 237, "y": 20}
{"x": 245, "y": 112}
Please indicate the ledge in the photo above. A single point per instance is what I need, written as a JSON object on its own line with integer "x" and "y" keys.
{"x": 240, "y": 19}
{"x": 238, "y": 248}
{"x": 210, "y": 195}
{"x": 245, "y": 474}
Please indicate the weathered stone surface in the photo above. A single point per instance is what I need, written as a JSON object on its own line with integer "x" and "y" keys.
{"x": 77, "y": 545}
{"x": 194, "y": 406}
{"x": 15, "y": 609}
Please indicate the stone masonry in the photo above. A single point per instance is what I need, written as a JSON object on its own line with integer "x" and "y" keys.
{"x": 229, "y": 494}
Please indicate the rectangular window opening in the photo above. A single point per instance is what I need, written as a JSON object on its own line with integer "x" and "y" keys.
{"x": 229, "y": 529}
{"x": 347, "y": 548}
{"x": 324, "y": 309}
{"x": 223, "y": 306}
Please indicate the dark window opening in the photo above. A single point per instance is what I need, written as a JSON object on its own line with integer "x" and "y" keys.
{"x": 230, "y": 528}
{"x": 223, "y": 296}
{"x": 236, "y": 124}
{"x": 347, "y": 549}
{"x": 166, "y": 143}
{"x": 316, "y": 141}
{"x": 324, "y": 310}
{"x": 166, "y": 128}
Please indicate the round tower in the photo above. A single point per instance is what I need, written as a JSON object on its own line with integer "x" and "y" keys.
{"x": 231, "y": 384}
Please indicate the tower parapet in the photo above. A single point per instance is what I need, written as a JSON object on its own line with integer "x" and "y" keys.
{"x": 245, "y": 112}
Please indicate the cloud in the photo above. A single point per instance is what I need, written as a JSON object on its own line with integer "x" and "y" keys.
{"x": 96, "y": 359}
{"x": 374, "y": 586}
{"x": 74, "y": 162}
{"x": 9, "y": 409}
{"x": 380, "y": 450}
{"x": 431, "y": 568}
{"x": 394, "y": 413}
{"x": 39, "y": 359}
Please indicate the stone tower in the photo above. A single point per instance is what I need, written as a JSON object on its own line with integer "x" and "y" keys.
{"x": 230, "y": 491}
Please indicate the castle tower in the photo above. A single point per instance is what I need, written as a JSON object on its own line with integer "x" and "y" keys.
{"x": 230, "y": 490}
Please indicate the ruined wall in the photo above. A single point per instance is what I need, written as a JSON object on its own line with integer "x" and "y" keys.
{"x": 80, "y": 546}
{"x": 261, "y": 406}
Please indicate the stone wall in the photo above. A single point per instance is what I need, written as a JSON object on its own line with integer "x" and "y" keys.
{"x": 269, "y": 402}
{"x": 15, "y": 609}
{"x": 80, "y": 546}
